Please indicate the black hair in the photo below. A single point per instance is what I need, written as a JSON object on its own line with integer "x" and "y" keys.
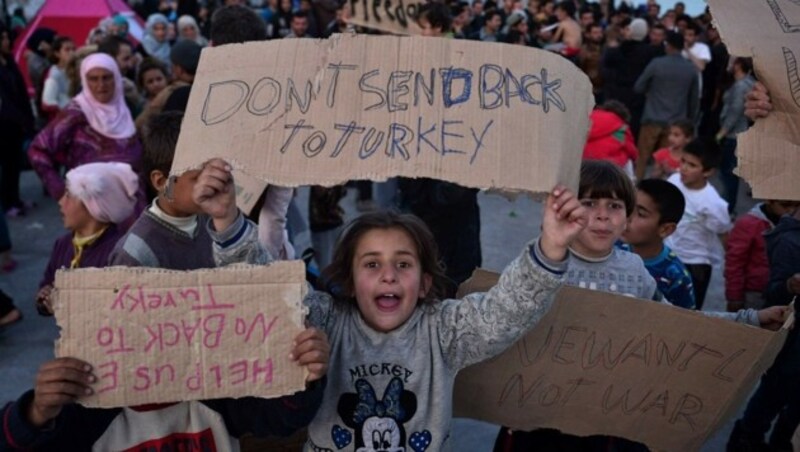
{"x": 489, "y": 15}
{"x": 745, "y": 63}
{"x": 568, "y": 6}
{"x": 58, "y": 43}
{"x": 705, "y": 149}
{"x": 159, "y": 139}
{"x": 110, "y": 45}
{"x": 684, "y": 18}
{"x": 674, "y": 40}
{"x": 338, "y": 275}
{"x": 686, "y": 126}
{"x": 236, "y": 24}
{"x": 695, "y": 27}
{"x": 301, "y": 14}
{"x": 437, "y": 14}
{"x": 667, "y": 197}
{"x": 618, "y": 108}
{"x": 149, "y": 64}
{"x": 603, "y": 179}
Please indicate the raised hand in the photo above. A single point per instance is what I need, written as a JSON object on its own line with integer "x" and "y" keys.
{"x": 757, "y": 102}
{"x": 215, "y": 193}
{"x": 564, "y": 219}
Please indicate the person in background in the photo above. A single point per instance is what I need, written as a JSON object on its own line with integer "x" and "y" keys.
{"x": 121, "y": 50}
{"x": 621, "y": 66}
{"x": 705, "y": 217}
{"x": 656, "y": 37}
{"x": 37, "y": 58}
{"x": 568, "y": 37}
{"x": 590, "y": 58}
{"x": 490, "y": 31}
{"x": 659, "y": 208}
{"x": 151, "y": 79}
{"x": 732, "y": 122}
{"x": 610, "y": 136}
{"x": 299, "y": 25}
{"x": 95, "y": 127}
{"x": 185, "y": 56}
{"x": 671, "y": 89}
{"x": 16, "y": 124}
{"x": 777, "y": 395}
{"x": 98, "y": 198}
{"x": 188, "y": 29}
{"x": 668, "y": 159}
{"x": 55, "y": 94}
{"x": 155, "y": 41}
{"x": 746, "y": 267}
{"x": 118, "y": 26}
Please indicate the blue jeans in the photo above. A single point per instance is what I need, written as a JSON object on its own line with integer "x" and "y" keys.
{"x": 729, "y": 180}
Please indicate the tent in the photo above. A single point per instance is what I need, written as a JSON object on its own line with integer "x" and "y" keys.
{"x": 75, "y": 19}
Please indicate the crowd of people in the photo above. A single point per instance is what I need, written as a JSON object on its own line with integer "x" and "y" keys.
{"x": 100, "y": 132}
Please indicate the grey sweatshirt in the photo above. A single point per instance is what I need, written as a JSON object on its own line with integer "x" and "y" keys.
{"x": 394, "y": 390}
{"x": 624, "y": 273}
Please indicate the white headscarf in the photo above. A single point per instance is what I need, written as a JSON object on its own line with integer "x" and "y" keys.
{"x": 112, "y": 119}
{"x": 153, "y": 47}
{"x": 107, "y": 189}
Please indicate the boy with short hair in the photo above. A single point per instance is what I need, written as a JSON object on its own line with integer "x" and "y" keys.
{"x": 705, "y": 217}
{"x": 171, "y": 235}
{"x": 659, "y": 208}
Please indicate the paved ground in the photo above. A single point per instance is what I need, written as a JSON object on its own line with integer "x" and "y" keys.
{"x": 506, "y": 226}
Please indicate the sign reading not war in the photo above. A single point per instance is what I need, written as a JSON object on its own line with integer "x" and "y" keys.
{"x": 606, "y": 364}
{"x": 300, "y": 111}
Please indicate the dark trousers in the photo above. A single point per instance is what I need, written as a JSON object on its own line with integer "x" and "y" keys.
{"x": 778, "y": 394}
{"x": 729, "y": 180}
{"x": 11, "y": 160}
{"x": 701, "y": 276}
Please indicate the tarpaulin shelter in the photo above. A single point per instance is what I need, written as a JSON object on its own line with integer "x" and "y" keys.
{"x": 75, "y": 19}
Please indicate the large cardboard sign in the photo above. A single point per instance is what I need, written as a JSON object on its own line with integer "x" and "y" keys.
{"x": 372, "y": 107}
{"x": 601, "y": 363}
{"x": 392, "y": 16}
{"x": 156, "y": 335}
{"x": 768, "y": 31}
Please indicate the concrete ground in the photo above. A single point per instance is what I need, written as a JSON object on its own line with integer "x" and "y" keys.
{"x": 506, "y": 226}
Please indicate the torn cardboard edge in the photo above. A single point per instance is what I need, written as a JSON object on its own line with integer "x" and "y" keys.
{"x": 769, "y": 152}
{"x": 157, "y": 335}
{"x": 526, "y": 160}
{"x": 543, "y": 357}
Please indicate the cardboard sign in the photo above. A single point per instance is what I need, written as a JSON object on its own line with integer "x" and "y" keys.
{"x": 156, "y": 335}
{"x": 248, "y": 190}
{"x": 392, "y": 16}
{"x": 768, "y": 31}
{"x": 606, "y": 364}
{"x": 372, "y": 107}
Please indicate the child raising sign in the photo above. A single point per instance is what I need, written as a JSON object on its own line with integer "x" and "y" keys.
{"x": 395, "y": 346}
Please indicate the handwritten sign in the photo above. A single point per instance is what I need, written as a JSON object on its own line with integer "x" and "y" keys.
{"x": 768, "y": 31}
{"x": 161, "y": 336}
{"x": 372, "y": 107}
{"x": 606, "y": 364}
{"x": 392, "y": 16}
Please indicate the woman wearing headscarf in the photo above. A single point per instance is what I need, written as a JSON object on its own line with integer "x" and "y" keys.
{"x": 155, "y": 41}
{"x": 188, "y": 29}
{"x": 95, "y": 127}
{"x": 98, "y": 198}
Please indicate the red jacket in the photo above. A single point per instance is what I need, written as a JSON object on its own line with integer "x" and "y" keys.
{"x": 746, "y": 265}
{"x": 609, "y": 139}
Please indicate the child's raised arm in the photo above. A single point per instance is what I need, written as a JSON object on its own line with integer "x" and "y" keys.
{"x": 484, "y": 324}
